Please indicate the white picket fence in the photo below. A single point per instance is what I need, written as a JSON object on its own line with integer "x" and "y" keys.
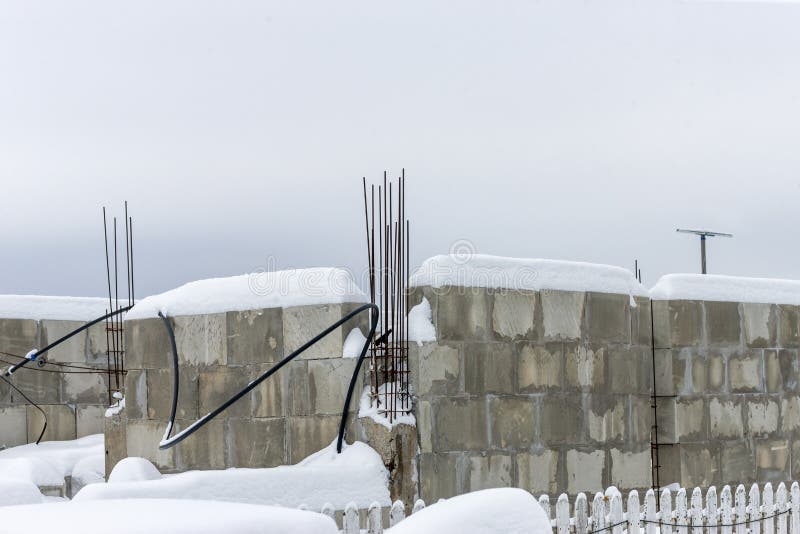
{"x": 757, "y": 511}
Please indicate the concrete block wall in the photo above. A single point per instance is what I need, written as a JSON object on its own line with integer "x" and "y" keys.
{"x": 289, "y": 416}
{"x": 75, "y": 403}
{"x": 733, "y": 368}
{"x": 544, "y": 390}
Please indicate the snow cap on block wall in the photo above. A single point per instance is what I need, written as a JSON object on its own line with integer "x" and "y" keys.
{"x": 276, "y": 289}
{"x": 713, "y": 287}
{"x": 480, "y": 270}
{"x": 40, "y": 307}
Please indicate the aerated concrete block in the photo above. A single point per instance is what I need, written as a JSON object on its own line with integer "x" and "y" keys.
{"x": 538, "y": 472}
{"x": 147, "y": 344}
{"x": 585, "y": 471}
{"x": 788, "y": 326}
{"x": 60, "y": 422}
{"x": 539, "y": 368}
{"x": 142, "y": 438}
{"x": 514, "y": 315}
{"x": 641, "y": 327}
{"x": 561, "y": 420}
{"x": 585, "y": 366}
{"x": 217, "y": 386}
{"x": 72, "y": 350}
{"x": 513, "y": 422}
{"x": 628, "y": 370}
{"x": 85, "y": 388}
{"x": 605, "y": 418}
{"x": 490, "y": 471}
{"x": 255, "y": 336}
{"x": 309, "y": 434}
{"x": 722, "y": 323}
{"x": 443, "y": 475}
{"x": 726, "y": 419}
{"x": 257, "y": 442}
{"x": 201, "y": 339}
{"x": 562, "y": 314}
{"x": 772, "y": 460}
{"x": 685, "y": 323}
{"x": 40, "y": 387}
{"x": 762, "y": 417}
{"x": 460, "y": 424}
{"x": 745, "y": 372}
{"x": 13, "y": 426}
{"x": 790, "y": 369}
{"x": 790, "y": 413}
{"x": 19, "y": 336}
{"x": 608, "y": 318}
{"x": 464, "y": 314}
{"x": 114, "y": 437}
{"x": 640, "y": 420}
{"x": 160, "y": 384}
{"x": 267, "y": 397}
{"x": 136, "y": 394}
{"x": 489, "y": 368}
{"x": 738, "y": 463}
{"x": 302, "y": 323}
{"x": 760, "y": 328}
{"x": 439, "y": 370}
{"x": 630, "y": 470}
{"x": 205, "y": 449}
{"x": 699, "y": 465}
{"x": 89, "y": 420}
{"x": 329, "y": 381}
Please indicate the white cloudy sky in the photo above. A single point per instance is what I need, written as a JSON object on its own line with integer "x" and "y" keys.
{"x": 239, "y": 131}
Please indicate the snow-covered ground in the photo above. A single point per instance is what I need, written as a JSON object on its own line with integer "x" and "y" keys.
{"x": 356, "y": 475}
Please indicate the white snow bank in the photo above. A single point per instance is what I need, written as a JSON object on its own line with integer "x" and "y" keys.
{"x": 155, "y": 516}
{"x": 88, "y": 470}
{"x": 355, "y": 475}
{"x": 14, "y": 492}
{"x": 481, "y": 270}
{"x": 420, "y": 325}
{"x": 714, "y": 287}
{"x": 297, "y": 287}
{"x": 492, "y": 511}
{"x": 368, "y": 408}
{"x": 354, "y": 344}
{"x": 55, "y": 308}
{"x": 133, "y": 469}
{"x": 49, "y": 462}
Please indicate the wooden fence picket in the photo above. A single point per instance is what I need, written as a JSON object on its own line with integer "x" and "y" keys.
{"x": 681, "y": 512}
{"x": 696, "y": 512}
{"x": 418, "y": 506}
{"x": 374, "y": 519}
{"x": 350, "y": 522}
{"x": 544, "y": 502}
{"x": 666, "y": 511}
{"x": 711, "y": 510}
{"x": 768, "y": 510}
{"x": 650, "y": 512}
{"x": 740, "y": 517}
{"x": 598, "y": 513}
{"x": 615, "y": 516}
{"x": 781, "y": 504}
{"x": 397, "y": 513}
{"x": 795, "y": 513}
{"x": 581, "y": 514}
{"x": 754, "y": 509}
{"x": 726, "y": 510}
{"x": 562, "y": 514}
{"x": 634, "y": 522}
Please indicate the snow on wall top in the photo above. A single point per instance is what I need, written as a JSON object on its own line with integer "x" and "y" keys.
{"x": 276, "y": 289}
{"x": 714, "y": 287}
{"x": 54, "y": 308}
{"x": 480, "y": 270}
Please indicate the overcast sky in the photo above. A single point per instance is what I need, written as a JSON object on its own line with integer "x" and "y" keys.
{"x": 239, "y": 131}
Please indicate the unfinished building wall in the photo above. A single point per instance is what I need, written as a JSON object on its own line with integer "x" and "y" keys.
{"x": 286, "y": 418}
{"x": 74, "y": 402}
{"x": 733, "y": 369}
{"x": 544, "y": 390}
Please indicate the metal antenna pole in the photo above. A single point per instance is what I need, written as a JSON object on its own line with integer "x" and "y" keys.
{"x": 703, "y": 235}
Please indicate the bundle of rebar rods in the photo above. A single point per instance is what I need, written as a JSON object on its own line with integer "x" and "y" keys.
{"x": 115, "y": 335}
{"x": 388, "y": 254}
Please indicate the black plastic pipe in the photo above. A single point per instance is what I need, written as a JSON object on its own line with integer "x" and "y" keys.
{"x": 169, "y": 442}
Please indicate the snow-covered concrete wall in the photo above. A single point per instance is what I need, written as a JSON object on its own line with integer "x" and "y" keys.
{"x": 289, "y": 416}
{"x": 727, "y": 349}
{"x": 546, "y": 390}
{"x": 73, "y": 401}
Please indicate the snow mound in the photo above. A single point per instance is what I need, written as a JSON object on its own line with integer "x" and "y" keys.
{"x": 276, "y": 289}
{"x": 133, "y": 469}
{"x": 55, "y": 308}
{"x": 420, "y": 325}
{"x": 492, "y": 511}
{"x": 497, "y": 272}
{"x": 156, "y": 516}
{"x": 355, "y": 475}
{"x": 354, "y": 344}
{"x": 51, "y": 460}
{"x": 89, "y": 470}
{"x": 14, "y": 492}
{"x": 713, "y": 287}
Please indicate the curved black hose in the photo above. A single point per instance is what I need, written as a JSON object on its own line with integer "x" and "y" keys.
{"x": 62, "y": 339}
{"x": 168, "y": 442}
{"x": 44, "y": 415}
{"x": 176, "y": 382}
